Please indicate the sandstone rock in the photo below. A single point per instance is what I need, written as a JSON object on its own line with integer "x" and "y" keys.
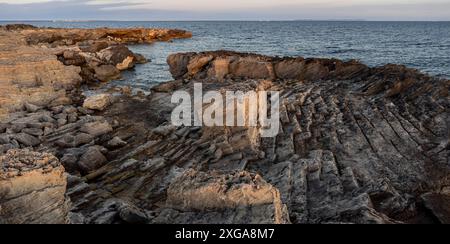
{"x": 107, "y": 72}
{"x": 197, "y": 191}
{"x": 290, "y": 69}
{"x": 197, "y": 63}
{"x": 97, "y": 102}
{"x": 127, "y": 63}
{"x": 167, "y": 86}
{"x": 115, "y": 54}
{"x": 94, "y": 47}
{"x": 92, "y": 160}
{"x": 32, "y": 189}
{"x": 250, "y": 68}
{"x": 178, "y": 64}
{"x": 96, "y": 129}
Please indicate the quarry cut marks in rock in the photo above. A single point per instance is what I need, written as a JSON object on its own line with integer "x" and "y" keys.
{"x": 228, "y": 108}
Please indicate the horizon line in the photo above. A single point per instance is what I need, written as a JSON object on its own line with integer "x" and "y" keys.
{"x": 217, "y": 20}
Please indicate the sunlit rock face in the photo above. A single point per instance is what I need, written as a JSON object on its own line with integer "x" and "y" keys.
{"x": 356, "y": 144}
{"x": 41, "y": 66}
{"x": 32, "y": 189}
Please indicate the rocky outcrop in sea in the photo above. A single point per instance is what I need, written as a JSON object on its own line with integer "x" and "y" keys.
{"x": 357, "y": 144}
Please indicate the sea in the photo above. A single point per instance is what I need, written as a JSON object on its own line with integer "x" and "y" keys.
{"x": 421, "y": 45}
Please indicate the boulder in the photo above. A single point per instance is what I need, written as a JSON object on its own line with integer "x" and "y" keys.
{"x": 167, "y": 87}
{"x": 116, "y": 142}
{"x": 32, "y": 189}
{"x": 96, "y": 129}
{"x": 107, "y": 72}
{"x": 140, "y": 59}
{"x": 92, "y": 160}
{"x": 127, "y": 63}
{"x": 115, "y": 55}
{"x": 27, "y": 140}
{"x": 97, "y": 102}
{"x": 196, "y": 64}
{"x": 245, "y": 193}
{"x": 178, "y": 64}
{"x": 94, "y": 47}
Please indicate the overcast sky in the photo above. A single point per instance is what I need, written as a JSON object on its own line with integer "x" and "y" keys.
{"x": 224, "y": 10}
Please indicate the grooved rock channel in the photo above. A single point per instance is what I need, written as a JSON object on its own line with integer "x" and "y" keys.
{"x": 357, "y": 145}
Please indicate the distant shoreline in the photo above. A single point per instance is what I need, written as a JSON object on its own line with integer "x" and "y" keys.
{"x": 306, "y": 20}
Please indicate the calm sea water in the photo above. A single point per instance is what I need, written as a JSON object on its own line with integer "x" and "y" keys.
{"x": 421, "y": 45}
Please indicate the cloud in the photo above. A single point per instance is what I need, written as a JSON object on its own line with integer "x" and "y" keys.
{"x": 223, "y": 10}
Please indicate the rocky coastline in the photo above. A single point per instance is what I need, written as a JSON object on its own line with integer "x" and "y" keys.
{"x": 357, "y": 144}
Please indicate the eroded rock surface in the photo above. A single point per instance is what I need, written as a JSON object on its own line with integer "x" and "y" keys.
{"x": 356, "y": 145}
{"x": 32, "y": 189}
{"x": 43, "y": 66}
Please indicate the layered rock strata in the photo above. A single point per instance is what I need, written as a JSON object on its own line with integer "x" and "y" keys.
{"x": 42, "y": 66}
{"x": 356, "y": 145}
{"x": 32, "y": 189}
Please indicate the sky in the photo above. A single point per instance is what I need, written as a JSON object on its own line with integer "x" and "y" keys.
{"x": 403, "y": 10}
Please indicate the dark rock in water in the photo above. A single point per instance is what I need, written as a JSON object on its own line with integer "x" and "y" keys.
{"x": 178, "y": 64}
{"x": 94, "y": 47}
{"x": 140, "y": 59}
{"x": 115, "y": 55}
{"x": 167, "y": 87}
{"x": 107, "y": 73}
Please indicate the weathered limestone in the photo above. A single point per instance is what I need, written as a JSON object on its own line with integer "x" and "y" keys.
{"x": 247, "y": 193}
{"x": 32, "y": 189}
{"x": 40, "y": 66}
{"x": 356, "y": 144}
{"x": 97, "y": 102}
